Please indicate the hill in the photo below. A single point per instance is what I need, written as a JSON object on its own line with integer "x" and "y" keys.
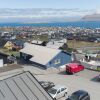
{"x": 93, "y": 17}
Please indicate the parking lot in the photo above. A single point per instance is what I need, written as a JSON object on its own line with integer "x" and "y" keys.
{"x": 84, "y": 80}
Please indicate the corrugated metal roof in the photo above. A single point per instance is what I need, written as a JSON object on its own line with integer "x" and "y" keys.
{"x": 10, "y": 67}
{"x": 40, "y": 54}
{"x": 22, "y": 87}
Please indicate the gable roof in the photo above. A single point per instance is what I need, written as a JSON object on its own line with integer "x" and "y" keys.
{"x": 40, "y": 54}
{"x": 56, "y": 44}
{"x": 23, "y": 86}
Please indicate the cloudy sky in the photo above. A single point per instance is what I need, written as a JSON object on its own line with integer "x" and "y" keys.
{"x": 43, "y": 12}
{"x": 47, "y": 8}
{"x": 82, "y": 4}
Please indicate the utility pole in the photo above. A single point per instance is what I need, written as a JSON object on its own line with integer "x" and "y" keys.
{"x": 74, "y": 40}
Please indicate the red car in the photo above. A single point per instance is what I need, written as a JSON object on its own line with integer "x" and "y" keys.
{"x": 74, "y": 68}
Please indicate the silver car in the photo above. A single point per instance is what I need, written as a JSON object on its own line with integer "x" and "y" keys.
{"x": 58, "y": 91}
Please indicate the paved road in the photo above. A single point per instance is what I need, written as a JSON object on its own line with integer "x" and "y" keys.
{"x": 82, "y": 80}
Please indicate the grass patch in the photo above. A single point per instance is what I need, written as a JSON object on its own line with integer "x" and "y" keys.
{"x": 9, "y": 52}
{"x": 78, "y": 44}
{"x": 41, "y": 37}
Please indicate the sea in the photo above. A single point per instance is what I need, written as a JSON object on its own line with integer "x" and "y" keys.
{"x": 82, "y": 24}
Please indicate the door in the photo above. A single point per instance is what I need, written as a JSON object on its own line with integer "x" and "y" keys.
{"x": 79, "y": 68}
{"x": 63, "y": 92}
{"x": 58, "y": 95}
{"x": 85, "y": 97}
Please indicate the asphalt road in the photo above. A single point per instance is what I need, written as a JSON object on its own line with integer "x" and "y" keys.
{"x": 84, "y": 80}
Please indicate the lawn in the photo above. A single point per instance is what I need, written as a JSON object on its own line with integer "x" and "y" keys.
{"x": 78, "y": 44}
{"x": 41, "y": 37}
{"x": 5, "y": 51}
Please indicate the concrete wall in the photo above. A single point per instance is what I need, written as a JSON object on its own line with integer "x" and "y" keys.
{"x": 4, "y": 57}
{"x": 1, "y": 62}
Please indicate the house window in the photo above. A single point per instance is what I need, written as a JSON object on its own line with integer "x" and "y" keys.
{"x": 57, "y": 61}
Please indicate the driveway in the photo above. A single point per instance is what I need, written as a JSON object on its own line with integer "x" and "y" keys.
{"x": 82, "y": 80}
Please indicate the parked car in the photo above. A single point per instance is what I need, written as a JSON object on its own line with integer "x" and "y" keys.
{"x": 79, "y": 95}
{"x": 74, "y": 68}
{"x": 58, "y": 91}
{"x": 99, "y": 77}
{"x": 47, "y": 85}
{"x": 11, "y": 59}
{"x": 98, "y": 68}
{"x": 94, "y": 67}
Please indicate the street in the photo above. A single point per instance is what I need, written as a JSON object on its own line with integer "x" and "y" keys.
{"x": 84, "y": 80}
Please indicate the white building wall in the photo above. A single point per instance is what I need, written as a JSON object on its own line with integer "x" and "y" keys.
{"x": 1, "y": 62}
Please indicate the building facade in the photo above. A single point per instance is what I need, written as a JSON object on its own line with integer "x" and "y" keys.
{"x": 45, "y": 57}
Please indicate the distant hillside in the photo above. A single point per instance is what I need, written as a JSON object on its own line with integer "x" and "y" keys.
{"x": 93, "y": 17}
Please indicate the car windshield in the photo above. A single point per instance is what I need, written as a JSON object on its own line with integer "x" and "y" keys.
{"x": 74, "y": 97}
{"x": 52, "y": 91}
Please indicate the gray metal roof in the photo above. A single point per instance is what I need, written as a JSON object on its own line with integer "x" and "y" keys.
{"x": 23, "y": 86}
{"x": 56, "y": 44}
{"x": 41, "y": 55}
{"x": 10, "y": 67}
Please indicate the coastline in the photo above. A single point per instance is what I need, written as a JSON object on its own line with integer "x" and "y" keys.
{"x": 82, "y": 24}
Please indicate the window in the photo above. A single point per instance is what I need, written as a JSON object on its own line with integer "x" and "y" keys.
{"x": 57, "y": 61}
{"x": 63, "y": 89}
{"x": 85, "y": 97}
{"x": 58, "y": 92}
{"x": 52, "y": 91}
{"x": 50, "y": 62}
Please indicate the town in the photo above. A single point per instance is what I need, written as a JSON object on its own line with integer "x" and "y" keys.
{"x": 49, "y": 63}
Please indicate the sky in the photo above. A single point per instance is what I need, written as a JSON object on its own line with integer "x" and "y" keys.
{"x": 51, "y": 9}
{"x": 69, "y": 4}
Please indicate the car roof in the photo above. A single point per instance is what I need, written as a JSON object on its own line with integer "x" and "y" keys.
{"x": 58, "y": 86}
{"x": 73, "y": 64}
{"x": 80, "y": 92}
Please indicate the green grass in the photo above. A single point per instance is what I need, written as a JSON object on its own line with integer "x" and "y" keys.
{"x": 42, "y": 37}
{"x": 9, "y": 52}
{"x": 78, "y": 44}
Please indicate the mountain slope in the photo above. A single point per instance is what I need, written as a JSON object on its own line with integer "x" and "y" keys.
{"x": 93, "y": 17}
